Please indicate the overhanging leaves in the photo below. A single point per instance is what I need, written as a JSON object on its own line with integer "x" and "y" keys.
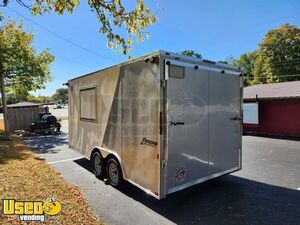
{"x": 23, "y": 69}
{"x": 114, "y": 19}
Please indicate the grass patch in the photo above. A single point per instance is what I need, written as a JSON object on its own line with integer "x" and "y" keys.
{"x": 1, "y": 124}
{"x": 24, "y": 176}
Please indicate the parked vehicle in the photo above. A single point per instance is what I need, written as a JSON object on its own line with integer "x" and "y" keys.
{"x": 47, "y": 123}
{"x": 163, "y": 121}
{"x": 59, "y": 104}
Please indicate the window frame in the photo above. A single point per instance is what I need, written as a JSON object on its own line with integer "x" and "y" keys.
{"x": 83, "y": 118}
{"x": 178, "y": 66}
{"x": 246, "y": 113}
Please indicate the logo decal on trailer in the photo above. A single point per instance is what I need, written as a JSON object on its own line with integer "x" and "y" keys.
{"x": 146, "y": 141}
{"x": 180, "y": 174}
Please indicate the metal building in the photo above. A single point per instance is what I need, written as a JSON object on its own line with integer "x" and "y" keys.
{"x": 273, "y": 109}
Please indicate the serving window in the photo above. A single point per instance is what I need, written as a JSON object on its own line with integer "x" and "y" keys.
{"x": 88, "y": 104}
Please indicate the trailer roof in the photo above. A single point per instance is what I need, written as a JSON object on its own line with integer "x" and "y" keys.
{"x": 171, "y": 55}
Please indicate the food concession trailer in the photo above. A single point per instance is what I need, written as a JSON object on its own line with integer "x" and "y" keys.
{"x": 162, "y": 122}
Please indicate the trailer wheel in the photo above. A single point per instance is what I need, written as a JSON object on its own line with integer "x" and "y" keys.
{"x": 98, "y": 165}
{"x": 114, "y": 173}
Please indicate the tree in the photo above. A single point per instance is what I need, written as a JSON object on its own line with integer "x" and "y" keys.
{"x": 11, "y": 98}
{"x": 246, "y": 62}
{"x": 60, "y": 94}
{"x": 112, "y": 16}
{"x": 230, "y": 60}
{"x": 276, "y": 60}
{"x": 21, "y": 69}
{"x": 39, "y": 98}
{"x": 278, "y": 57}
{"x": 191, "y": 53}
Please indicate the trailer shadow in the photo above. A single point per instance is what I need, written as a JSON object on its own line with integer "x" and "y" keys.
{"x": 226, "y": 200}
{"x": 230, "y": 200}
{"x": 46, "y": 143}
{"x": 85, "y": 163}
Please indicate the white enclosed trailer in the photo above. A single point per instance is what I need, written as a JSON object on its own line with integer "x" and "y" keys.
{"x": 163, "y": 121}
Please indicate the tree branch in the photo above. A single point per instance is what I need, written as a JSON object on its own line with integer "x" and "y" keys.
{"x": 20, "y": 2}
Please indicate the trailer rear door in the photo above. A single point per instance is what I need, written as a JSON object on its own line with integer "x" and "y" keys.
{"x": 203, "y": 113}
{"x": 224, "y": 122}
{"x": 188, "y": 150}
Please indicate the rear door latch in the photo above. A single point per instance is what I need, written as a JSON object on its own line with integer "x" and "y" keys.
{"x": 174, "y": 123}
{"x": 235, "y": 118}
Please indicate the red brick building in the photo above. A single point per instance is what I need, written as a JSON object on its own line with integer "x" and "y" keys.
{"x": 273, "y": 109}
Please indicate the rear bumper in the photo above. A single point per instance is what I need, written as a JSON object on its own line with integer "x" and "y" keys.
{"x": 200, "y": 180}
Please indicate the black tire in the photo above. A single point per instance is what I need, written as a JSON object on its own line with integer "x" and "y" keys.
{"x": 114, "y": 173}
{"x": 98, "y": 165}
{"x": 32, "y": 128}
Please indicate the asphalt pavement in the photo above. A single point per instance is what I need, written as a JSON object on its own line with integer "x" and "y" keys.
{"x": 266, "y": 191}
{"x": 60, "y": 113}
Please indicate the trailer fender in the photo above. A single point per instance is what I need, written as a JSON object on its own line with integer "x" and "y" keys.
{"x": 106, "y": 152}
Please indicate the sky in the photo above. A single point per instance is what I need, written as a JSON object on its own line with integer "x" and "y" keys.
{"x": 215, "y": 28}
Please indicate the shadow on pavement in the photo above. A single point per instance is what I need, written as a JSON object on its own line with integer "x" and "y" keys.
{"x": 85, "y": 163}
{"x": 226, "y": 200}
{"x": 46, "y": 143}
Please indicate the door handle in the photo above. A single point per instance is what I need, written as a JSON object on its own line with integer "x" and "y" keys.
{"x": 235, "y": 118}
{"x": 176, "y": 123}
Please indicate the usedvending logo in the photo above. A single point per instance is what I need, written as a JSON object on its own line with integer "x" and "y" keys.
{"x": 31, "y": 210}
{"x": 146, "y": 141}
{"x": 180, "y": 174}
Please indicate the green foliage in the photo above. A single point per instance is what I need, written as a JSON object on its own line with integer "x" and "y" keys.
{"x": 246, "y": 62}
{"x": 12, "y": 98}
{"x": 23, "y": 69}
{"x": 192, "y": 53}
{"x": 276, "y": 60}
{"x": 60, "y": 94}
{"x": 113, "y": 17}
{"x": 230, "y": 60}
{"x": 39, "y": 98}
{"x": 257, "y": 71}
{"x": 280, "y": 53}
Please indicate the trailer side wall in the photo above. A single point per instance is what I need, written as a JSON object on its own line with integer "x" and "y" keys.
{"x": 91, "y": 95}
{"x": 121, "y": 104}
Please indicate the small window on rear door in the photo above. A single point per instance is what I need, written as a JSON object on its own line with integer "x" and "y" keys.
{"x": 177, "y": 71}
